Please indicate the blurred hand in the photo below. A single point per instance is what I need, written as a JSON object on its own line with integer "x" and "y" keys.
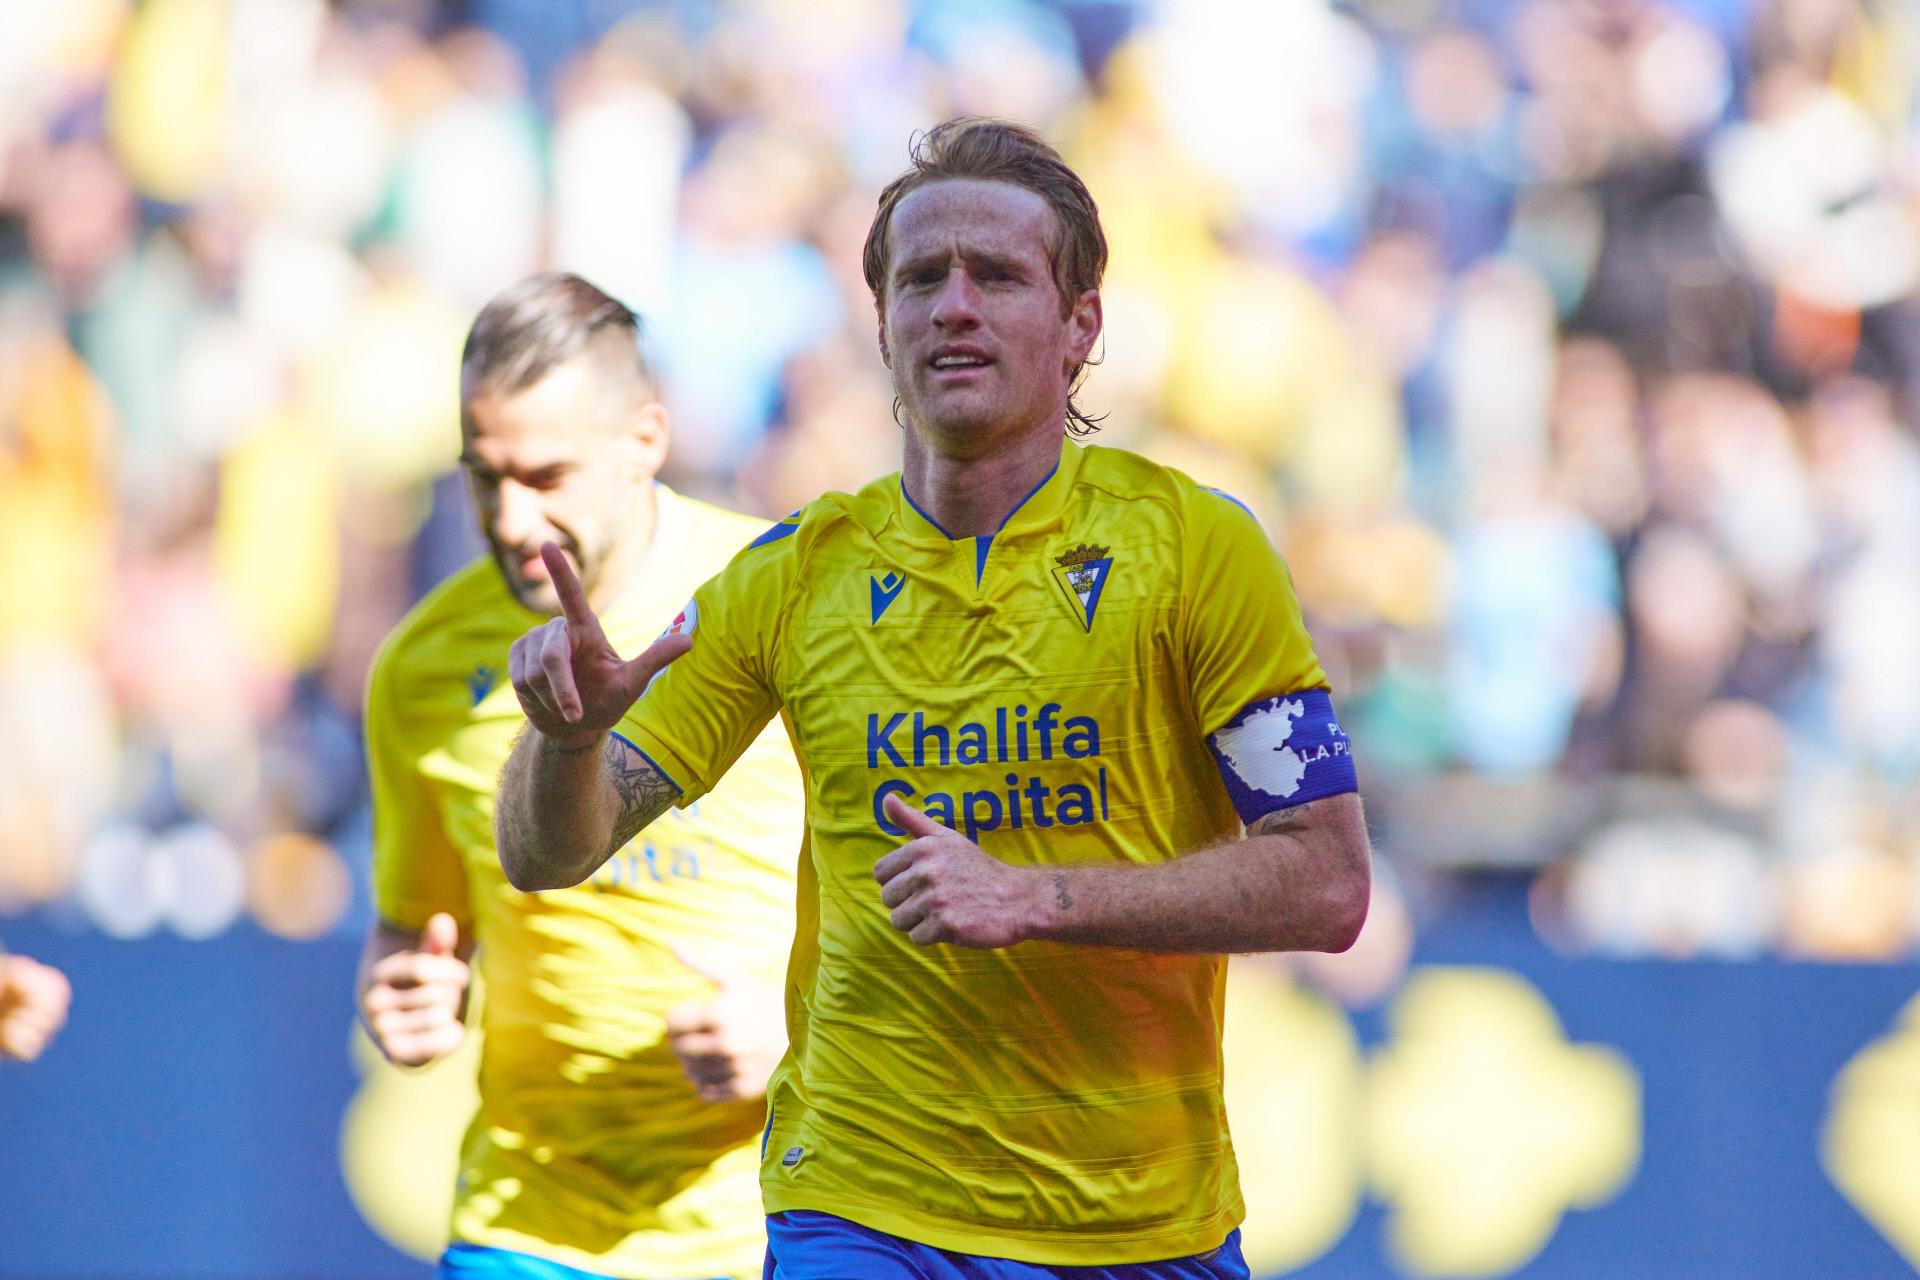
{"x": 570, "y": 682}
{"x": 414, "y": 1000}
{"x": 729, "y": 1043}
{"x": 33, "y": 1005}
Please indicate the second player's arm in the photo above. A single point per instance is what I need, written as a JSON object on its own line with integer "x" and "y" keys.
{"x": 572, "y": 792}
{"x": 566, "y": 807}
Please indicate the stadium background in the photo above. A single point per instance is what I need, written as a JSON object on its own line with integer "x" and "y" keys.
{"x": 1567, "y": 347}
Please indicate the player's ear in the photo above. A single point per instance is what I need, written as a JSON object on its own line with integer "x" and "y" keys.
{"x": 645, "y": 433}
{"x": 880, "y": 329}
{"x": 1084, "y": 321}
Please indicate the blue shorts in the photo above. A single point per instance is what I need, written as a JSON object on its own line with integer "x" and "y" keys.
{"x": 478, "y": 1262}
{"x": 805, "y": 1245}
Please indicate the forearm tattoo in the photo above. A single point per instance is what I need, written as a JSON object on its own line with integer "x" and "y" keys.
{"x": 1289, "y": 821}
{"x": 645, "y": 792}
{"x": 1270, "y": 824}
{"x": 1060, "y": 895}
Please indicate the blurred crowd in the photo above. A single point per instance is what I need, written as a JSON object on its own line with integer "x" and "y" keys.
{"x": 1569, "y": 349}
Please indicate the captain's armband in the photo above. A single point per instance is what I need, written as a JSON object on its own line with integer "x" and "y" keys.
{"x": 1283, "y": 751}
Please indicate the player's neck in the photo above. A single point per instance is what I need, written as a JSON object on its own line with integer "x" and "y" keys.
{"x": 624, "y": 562}
{"x": 969, "y": 496}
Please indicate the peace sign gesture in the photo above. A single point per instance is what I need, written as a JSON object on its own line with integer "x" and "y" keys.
{"x": 570, "y": 682}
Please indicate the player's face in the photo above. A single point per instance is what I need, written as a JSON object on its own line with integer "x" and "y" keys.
{"x": 972, "y": 324}
{"x": 560, "y": 462}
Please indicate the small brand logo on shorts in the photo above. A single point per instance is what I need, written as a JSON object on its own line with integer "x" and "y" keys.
{"x": 792, "y": 1157}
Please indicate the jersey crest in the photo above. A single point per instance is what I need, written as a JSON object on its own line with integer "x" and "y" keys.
{"x": 1083, "y": 573}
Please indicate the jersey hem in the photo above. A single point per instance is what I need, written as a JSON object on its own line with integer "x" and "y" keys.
{"x": 1081, "y": 1248}
{"x": 743, "y": 1264}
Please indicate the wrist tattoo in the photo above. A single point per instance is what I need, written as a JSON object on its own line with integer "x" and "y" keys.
{"x": 580, "y": 750}
{"x": 1061, "y": 897}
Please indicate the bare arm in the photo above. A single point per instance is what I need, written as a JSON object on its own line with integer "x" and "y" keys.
{"x": 571, "y": 793}
{"x": 1298, "y": 881}
{"x": 566, "y": 808}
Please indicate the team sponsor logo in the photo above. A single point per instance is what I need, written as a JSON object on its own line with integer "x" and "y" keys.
{"x": 1083, "y": 574}
{"x": 1063, "y": 784}
{"x": 884, "y": 591}
{"x": 480, "y": 683}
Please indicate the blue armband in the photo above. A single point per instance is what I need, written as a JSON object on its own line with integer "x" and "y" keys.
{"x": 1283, "y": 751}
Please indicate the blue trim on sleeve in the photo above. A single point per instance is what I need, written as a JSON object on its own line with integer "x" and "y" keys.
{"x": 787, "y": 527}
{"x": 1222, "y": 493}
{"x": 644, "y": 756}
{"x": 1283, "y": 751}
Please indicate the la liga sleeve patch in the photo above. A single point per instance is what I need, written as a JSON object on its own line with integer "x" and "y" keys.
{"x": 1283, "y": 751}
{"x": 682, "y": 625}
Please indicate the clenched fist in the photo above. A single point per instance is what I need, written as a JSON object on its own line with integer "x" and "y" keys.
{"x": 942, "y": 887}
{"x": 413, "y": 999}
{"x": 730, "y": 1043}
{"x": 33, "y": 1005}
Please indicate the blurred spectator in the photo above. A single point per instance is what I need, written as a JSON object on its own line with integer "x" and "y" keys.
{"x": 1568, "y": 350}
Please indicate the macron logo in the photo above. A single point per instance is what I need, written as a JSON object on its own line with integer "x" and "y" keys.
{"x": 884, "y": 591}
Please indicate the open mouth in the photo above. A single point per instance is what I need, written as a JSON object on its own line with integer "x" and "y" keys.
{"x": 958, "y": 363}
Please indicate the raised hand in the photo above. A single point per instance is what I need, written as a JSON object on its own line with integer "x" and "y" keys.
{"x": 33, "y": 1005}
{"x": 570, "y": 682}
{"x": 944, "y": 888}
{"x": 729, "y": 1043}
{"x": 414, "y": 999}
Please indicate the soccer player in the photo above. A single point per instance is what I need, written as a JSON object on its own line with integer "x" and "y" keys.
{"x": 630, "y": 1023}
{"x": 1066, "y": 744}
{"x": 33, "y": 1006}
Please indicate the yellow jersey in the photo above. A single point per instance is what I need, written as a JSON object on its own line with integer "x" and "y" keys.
{"x": 1119, "y": 675}
{"x": 590, "y": 1147}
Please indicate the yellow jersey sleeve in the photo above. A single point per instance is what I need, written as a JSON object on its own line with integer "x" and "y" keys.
{"x": 417, "y": 869}
{"x": 700, "y": 713}
{"x": 1258, "y": 690}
